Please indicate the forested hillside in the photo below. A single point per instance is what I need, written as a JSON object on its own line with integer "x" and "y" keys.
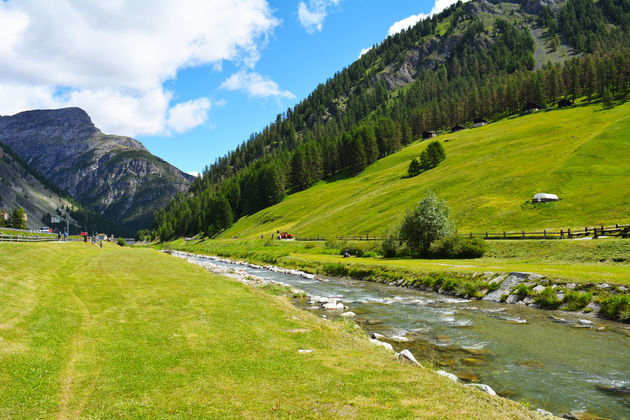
{"x": 474, "y": 60}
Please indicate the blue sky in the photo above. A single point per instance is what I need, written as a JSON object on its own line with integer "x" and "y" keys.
{"x": 190, "y": 79}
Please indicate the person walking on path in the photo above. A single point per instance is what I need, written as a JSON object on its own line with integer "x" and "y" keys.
{"x": 65, "y": 236}
{"x": 59, "y": 235}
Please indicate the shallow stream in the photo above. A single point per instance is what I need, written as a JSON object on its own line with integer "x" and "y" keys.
{"x": 556, "y": 361}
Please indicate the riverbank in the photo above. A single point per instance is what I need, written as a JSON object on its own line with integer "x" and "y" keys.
{"x": 553, "y": 280}
{"x": 476, "y": 341}
{"x": 130, "y": 332}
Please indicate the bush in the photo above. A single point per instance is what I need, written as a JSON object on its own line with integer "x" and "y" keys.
{"x": 390, "y": 245}
{"x": 309, "y": 245}
{"x": 458, "y": 247}
{"x": 428, "y": 222}
{"x": 121, "y": 242}
{"x": 576, "y": 300}
{"x": 332, "y": 244}
{"x": 547, "y": 299}
{"x": 616, "y": 307}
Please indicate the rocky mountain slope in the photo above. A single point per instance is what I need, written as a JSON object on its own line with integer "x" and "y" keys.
{"x": 115, "y": 176}
{"x": 20, "y": 187}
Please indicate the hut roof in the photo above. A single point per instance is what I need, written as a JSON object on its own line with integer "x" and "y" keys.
{"x": 546, "y": 196}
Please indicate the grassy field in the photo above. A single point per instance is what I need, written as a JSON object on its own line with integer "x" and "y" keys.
{"x": 574, "y": 261}
{"x": 133, "y": 333}
{"x": 488, "y": 179}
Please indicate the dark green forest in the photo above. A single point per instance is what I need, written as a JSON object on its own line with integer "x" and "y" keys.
{"x": 354, "y": 118}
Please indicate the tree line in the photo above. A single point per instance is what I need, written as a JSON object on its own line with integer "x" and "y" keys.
{"x": 353, "y": 119}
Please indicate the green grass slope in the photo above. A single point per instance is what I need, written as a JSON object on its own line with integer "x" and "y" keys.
{"x": 488, "y": 179}
{"x": 133, "y": 333}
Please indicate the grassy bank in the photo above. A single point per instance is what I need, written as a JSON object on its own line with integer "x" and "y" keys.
{"x": 568, "y": 284}
{"x": 488, "y": 179}
{"x": 124, "y": 332}
{"x": 595, "y": 261}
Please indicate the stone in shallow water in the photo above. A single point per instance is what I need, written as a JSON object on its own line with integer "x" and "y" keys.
{"x": 468, "y": 377}
{"x": 582, "y": 415}
{"x": 472, "y": 362}
{"x": 532, "y": 364}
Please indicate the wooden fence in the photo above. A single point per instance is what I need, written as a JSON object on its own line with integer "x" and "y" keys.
{"x": 617, "y": 230}
{"x": 7, "y": 237}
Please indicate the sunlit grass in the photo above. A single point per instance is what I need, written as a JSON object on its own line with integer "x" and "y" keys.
{"x": 488, "y": 179}
{"x": 134, "y": 333}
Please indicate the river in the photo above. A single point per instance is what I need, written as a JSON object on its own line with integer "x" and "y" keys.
{"x": 557, "y": 361}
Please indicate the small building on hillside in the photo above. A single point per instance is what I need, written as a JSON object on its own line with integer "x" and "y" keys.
{"x": 479, "y": 122}
{"x": 564, "y": 103}
{"x": 544, "y": 198}
{"x": 532, "y": 107}
{"x": 457, "y": 127}
{"x": 428, "y": 134}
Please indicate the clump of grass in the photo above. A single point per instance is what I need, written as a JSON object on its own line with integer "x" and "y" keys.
{"x": 577, "y": 300}
{"x": 616, "y": 307}
{"x": 277, "y": 290}
{"x": 309, "y": 245}
{"x": 335, "y": 269}
{"x": 547, "y": 299}
{"x": 523, "y": 290}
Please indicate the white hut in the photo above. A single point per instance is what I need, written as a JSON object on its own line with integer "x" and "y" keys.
{"x": 544, "y": 198}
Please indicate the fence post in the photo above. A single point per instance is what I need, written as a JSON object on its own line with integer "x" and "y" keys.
{"x": 561, "y": 234}
{"x": 486, "y": 235}
{"x": 503, "y": 234}
{"x": 569, "y": 233}
{"x": 523, "y": 234}
{"x": 471, "y": 234}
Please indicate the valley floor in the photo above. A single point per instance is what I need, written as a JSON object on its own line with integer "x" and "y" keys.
{"x": 128, "y": 332}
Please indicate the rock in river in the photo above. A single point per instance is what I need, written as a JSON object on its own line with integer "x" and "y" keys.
{"x": 407, "y": 356}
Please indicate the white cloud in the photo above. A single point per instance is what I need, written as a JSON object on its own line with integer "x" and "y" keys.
{"x": 113, "y": 58}
{"x": 363, "y": 51}
{"x": 405, "y": 23}
{"x": 413, "y": 19}
{"x": 187, "y": 115}
{"x": 255, "y": 85}
{"x": 312, "y": 15}
{"x": 193, "y": 173}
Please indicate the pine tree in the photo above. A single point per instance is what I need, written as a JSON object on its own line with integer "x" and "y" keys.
{"x": 414, "y": 167}
{"x": 16, "y": 220}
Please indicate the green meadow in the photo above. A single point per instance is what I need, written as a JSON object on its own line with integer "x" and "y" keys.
{"x": 124, "y": 332}
{"x": 488, "y": 179}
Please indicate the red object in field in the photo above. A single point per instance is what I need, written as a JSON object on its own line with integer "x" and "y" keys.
{"x": 83, "y": 233}
{"x": 286, "y": 236}
{"x": 49, "y": 230}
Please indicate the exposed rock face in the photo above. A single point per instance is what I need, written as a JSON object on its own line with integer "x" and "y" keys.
{"x": 113, "y": 175}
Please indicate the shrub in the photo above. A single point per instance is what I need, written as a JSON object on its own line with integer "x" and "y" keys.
{"x": 616, "y": 307}
{"x": 547, "y": 299}
{"x": 390, "y": 245}
{"x": 332, "y": 244}
{"x": 309, "y": 245}
{"x": 428, "y": 222}
{"x": 121, "y": 242}
{"x": 458, "y": 247}
{"x": 576, "y": 300}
